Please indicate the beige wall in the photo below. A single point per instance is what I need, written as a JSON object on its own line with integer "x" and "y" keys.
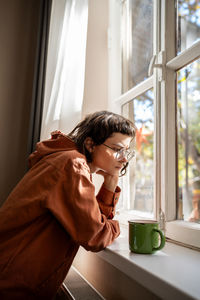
{"x": 18, "y": 27}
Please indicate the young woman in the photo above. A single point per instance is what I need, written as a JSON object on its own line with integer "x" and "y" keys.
{"x": 53, "y": 209}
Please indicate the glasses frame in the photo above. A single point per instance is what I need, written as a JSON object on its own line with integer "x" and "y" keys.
{"x": 122, "y": 153}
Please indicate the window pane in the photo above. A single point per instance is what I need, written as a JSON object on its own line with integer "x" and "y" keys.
{"x": 188, "y": 23}
{"x": 188, "y": 116}
{"x": 137, "y": 36}
{"x": 141, "y": 170}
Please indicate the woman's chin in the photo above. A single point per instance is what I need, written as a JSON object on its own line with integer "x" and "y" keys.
{"x": 115, "y": 172}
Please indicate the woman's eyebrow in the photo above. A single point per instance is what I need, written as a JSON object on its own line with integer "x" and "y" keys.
{"x": 120, "y": 145}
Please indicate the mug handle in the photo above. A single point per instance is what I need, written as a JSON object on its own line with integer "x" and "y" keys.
{"x": 162, "y": 238}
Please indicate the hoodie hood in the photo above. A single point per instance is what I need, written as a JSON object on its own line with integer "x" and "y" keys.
{"x": 58, "y": 142}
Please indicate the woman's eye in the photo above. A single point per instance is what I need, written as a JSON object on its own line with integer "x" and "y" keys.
{"x": 118, "y": 150}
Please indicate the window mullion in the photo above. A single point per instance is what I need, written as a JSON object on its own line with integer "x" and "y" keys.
{"x": 157, "y": 94}
{"x": 168, "y": 114}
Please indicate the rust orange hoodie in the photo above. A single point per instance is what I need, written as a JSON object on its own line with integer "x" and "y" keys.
{"x": 50, "y": 213}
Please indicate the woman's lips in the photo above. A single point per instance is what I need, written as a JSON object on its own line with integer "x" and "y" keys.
{"x": 118, "y": 167}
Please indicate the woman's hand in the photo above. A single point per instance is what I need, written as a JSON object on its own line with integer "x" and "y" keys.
{"x": 110, "y": 181}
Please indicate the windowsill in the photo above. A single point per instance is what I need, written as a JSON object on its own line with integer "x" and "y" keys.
{"x": 171, "y": 273}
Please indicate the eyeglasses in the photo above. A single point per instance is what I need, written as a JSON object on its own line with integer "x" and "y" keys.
{"x": 122, "y": 153}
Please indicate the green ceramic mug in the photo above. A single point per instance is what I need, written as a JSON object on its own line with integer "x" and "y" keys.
{"x": 144, "y": 237}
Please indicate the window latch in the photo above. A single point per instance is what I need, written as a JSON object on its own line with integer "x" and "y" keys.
{"x": 158, "y": 61}
{"x": 162, "y": 220}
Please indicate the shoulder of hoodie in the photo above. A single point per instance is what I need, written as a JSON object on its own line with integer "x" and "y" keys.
{"x": 66, "y": 160}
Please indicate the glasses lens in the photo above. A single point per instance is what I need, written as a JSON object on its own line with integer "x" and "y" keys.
{"x": 120, "y": 154}
{"x": 130, "y": 155}
{"x": 123, "y": 153}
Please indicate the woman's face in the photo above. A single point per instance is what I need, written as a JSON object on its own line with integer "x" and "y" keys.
{"x": 104, "y": 158}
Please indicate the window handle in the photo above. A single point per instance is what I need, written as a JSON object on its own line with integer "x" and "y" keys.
{"x": 161, "y": 64}
{"x": 152, "y": 62}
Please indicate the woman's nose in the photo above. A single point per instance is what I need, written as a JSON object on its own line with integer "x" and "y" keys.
{"x": 123, "y": 159}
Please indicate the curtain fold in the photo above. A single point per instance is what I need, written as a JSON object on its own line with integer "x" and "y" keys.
{"x": 39, "y": 74}
{"x": 65, "y": 66}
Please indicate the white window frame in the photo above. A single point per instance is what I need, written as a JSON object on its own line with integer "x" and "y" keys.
{"x": 163, "y": 68}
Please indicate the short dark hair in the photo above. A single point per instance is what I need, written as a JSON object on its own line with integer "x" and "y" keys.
{"x": 99, "y": 126}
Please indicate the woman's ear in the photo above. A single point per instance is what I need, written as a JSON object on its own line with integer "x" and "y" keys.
{"x": 89, "y": 144}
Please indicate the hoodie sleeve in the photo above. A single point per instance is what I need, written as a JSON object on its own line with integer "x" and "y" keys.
{"x": 73, "y": 203}
{"x": 107, "y": 201}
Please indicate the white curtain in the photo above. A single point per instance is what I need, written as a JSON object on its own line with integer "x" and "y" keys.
{"x": 65, "y": 73}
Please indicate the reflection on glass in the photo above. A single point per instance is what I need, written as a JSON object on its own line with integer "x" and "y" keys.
{"x": 188, "y": 117}
{"x": 188, "y": 23}
{"x": 137, "y": 35}
{"x": 141, "y": 171}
